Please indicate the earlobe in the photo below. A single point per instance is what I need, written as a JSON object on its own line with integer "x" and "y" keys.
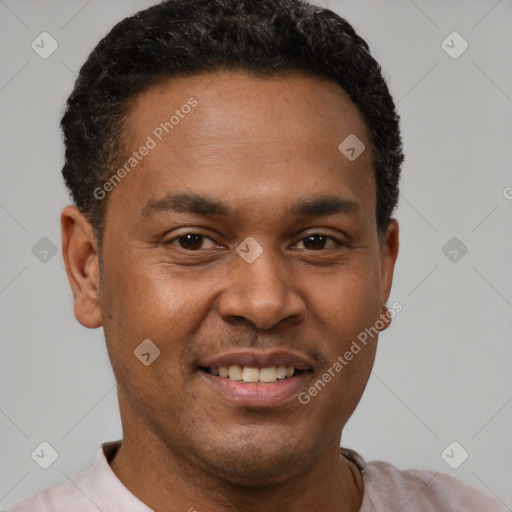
{"x": 80, "y": 253}
{"x": 385, "y": 319}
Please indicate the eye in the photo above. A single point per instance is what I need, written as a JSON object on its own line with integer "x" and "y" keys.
{"x": 190, "y": 241}
{"x": 317, "y": 241}
{"x": 312, "y": 242}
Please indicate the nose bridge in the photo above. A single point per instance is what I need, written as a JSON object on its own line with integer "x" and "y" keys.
{"x": 260, "y": 290}
{"x": 263, "y": 279}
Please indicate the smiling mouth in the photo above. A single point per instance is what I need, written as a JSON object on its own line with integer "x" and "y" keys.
{"x": 252, "y": 375}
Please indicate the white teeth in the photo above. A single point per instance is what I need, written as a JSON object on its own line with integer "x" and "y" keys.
{"x": 235, "y": 372}
{"x": 268, "y": 374}
{"x": 281, "y": 372}
{"x": 250, "y": 374}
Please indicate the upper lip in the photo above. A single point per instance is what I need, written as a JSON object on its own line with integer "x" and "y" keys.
{"x": 258, "y": 359}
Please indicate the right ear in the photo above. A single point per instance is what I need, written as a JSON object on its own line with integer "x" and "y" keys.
{"x": 80, "y": 253}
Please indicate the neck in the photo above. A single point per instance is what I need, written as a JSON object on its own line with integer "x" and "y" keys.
{"x": 166, "y": 482}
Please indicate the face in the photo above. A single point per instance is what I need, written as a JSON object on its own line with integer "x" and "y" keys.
{"x": 242, "y": 243}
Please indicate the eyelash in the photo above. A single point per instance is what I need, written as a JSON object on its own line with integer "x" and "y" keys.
{"x": 338, "y": 241}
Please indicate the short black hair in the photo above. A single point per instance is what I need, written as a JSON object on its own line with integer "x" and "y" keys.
{"x": 187, "y": 37}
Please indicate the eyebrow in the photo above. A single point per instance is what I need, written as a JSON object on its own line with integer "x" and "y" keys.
{"x": 210, "y": 207}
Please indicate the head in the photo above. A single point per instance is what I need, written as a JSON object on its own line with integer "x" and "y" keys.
{"x": 234, "y": 168}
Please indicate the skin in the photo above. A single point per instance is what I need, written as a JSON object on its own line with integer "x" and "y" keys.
{"x": 258, "y": 145}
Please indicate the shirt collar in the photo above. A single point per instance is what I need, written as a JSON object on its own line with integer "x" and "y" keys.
{"x": 110, "y": 490}
{"x": 118, "y": 498}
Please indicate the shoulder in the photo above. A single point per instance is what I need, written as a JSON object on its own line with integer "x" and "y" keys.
{"x": 96, "y": 488}
{"x": 421, "y": 490}
{"x": 83, "y": 492}
{"x": 60, "y": 498}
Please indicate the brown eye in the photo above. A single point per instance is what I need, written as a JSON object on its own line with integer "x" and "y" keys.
{"x": 190, "y": 241}
{"x": 317, "y": 241}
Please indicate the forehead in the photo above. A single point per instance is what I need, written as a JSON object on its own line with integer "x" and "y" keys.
{"x": 244, "y": 138}
{"x": 262, "y": 104}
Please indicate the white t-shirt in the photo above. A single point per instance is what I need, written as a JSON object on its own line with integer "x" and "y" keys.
{"x": 386, "y": 489}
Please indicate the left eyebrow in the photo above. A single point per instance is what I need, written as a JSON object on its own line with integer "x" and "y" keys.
{"x": 324, "y": 206}
{"x": 202, "y": 205}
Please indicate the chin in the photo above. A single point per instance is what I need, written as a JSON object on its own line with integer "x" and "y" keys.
{"x": 249, "y": 463}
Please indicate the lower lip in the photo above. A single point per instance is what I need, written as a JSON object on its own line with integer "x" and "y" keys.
{"x": 257, "y": 395}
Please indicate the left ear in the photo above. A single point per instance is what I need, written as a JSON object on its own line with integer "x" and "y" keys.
{"x": 389, "y": 252}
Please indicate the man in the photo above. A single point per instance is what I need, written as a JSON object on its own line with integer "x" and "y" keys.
{"x": 234, "y": 166}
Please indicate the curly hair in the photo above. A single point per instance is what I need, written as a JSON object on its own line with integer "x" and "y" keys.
{"x": 187, "y": 37}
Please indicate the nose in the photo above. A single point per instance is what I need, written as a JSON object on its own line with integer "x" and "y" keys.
{"x": 261, "y": 292}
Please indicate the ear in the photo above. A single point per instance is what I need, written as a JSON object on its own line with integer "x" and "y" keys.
{"x": 80, "y": 253}
{"x": 389, "y": 253}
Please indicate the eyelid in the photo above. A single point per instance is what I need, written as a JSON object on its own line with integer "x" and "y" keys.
{"x": 338, "y": 240}
{"x": 170, "y": 241}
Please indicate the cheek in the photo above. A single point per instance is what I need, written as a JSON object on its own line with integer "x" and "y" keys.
{"x": 144, "y": 303}
{"x": 146, "y": 300}
{"x": 348, "y": 300}
{"x": 150, "y": 295}
{"x": 347, "y": 309}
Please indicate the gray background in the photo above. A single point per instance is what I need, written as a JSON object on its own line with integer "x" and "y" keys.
{"x": 443, "y": 368}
